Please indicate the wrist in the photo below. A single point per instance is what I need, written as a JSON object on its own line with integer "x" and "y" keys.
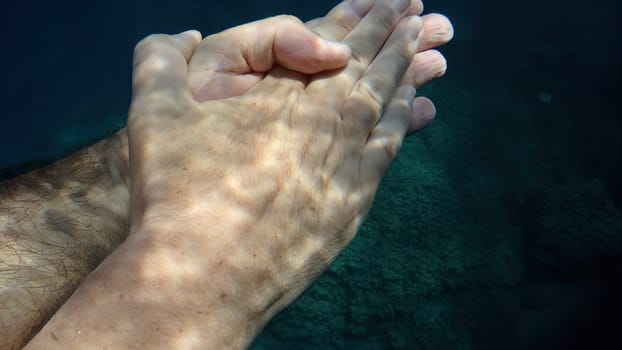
{"x": 200, "y": 289}
{"x": 219, "y": 271}
{"x": 149, "y": 295}
{"x": 235, "y": 264}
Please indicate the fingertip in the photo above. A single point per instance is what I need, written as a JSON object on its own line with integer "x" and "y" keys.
{"x": 427, "y": 66}
{"x": 336, "y": 51}
{"x": 449, "y": 27}
{"x": 423, "y": 113}
{"x": 416, "y": 8}
{"x": 439, "y": 30}
{"x": 301, "y": 49}
{"x": 321, "y": 53}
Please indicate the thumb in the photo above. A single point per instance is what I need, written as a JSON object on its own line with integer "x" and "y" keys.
{"x": 298, "y": 48}
{"x": 286, "y": 41}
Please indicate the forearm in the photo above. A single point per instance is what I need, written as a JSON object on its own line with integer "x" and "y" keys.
{"x": 210, "y": 283}
{"x": 56, "y": 225}
{"x": 152, "y": 294}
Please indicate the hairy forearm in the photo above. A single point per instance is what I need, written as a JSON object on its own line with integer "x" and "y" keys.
{"x": 154, "y": 294}
{"x": 210, "y": 283}
{"x": 56, "y": 225}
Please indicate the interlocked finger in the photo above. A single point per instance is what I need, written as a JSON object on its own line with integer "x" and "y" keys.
{"x": 343, "y": 18}
{"x": 363, "y": 108}
{"x": 365, "y": 40}
{"x": 386, "y": 139}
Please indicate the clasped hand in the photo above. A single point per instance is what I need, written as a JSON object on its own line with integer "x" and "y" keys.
{"x": 295, "y": 160}
{"x": 251, "y": 169}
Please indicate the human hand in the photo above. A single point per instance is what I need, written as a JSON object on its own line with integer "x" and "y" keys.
{"x": 227, "y": 63}
{"x": 172, "y": 291}
{"x": 262, "y": 191}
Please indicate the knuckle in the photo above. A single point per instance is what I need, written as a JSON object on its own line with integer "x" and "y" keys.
{"x": 372, "y": 90}
{"x": 143, "y": 47}
{"x": 386, "y": 18}
{"x": 289, "y": 19}
{"x": 364, "y": 111}
{"x": 392, "y": 147}
{"x": 401, "y": 106}
{"x": 359, "y": 58}
{"x": 283, "y": 24}
{"x": 147, "y": 41}
{"x": 402, "y": 55}
{"x": 389, "y": 143}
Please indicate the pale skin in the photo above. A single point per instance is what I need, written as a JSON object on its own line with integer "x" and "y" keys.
{"x": 109, "y": 158}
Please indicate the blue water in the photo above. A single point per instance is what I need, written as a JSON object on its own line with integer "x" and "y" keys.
{"x": 499, "y": 226}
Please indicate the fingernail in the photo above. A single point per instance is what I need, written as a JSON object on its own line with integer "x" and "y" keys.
{"x": 424, "y": 108}
{"x": 400, "y": 5}
{"x": 362, "y": 6}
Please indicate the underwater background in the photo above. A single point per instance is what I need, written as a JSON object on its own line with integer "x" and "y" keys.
{"x": 498, "y": 227}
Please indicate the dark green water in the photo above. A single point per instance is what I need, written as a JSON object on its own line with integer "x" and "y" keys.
{"x": 498, "y": 227}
